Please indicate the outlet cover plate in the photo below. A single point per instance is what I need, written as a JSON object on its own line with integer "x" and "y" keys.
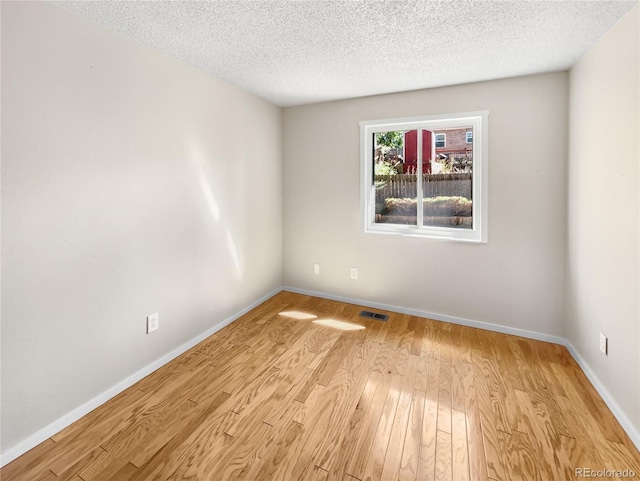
{"x": 604, "y": 344}
{"x": 153, "y": 322}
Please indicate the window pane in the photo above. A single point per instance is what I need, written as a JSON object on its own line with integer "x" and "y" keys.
{"x": 447, "y": 190}
{"x": 395, "y": 177}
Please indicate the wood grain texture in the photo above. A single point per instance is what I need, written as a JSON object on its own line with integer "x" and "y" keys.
{"x": 273, "y": 398}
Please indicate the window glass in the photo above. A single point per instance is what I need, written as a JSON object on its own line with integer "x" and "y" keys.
{"x": 422, "y": 176}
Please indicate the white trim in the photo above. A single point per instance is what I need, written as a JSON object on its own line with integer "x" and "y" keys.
{"x": 479, "y": 121}
{"x": 606, "y": 396}
{"x": 420, "y": 177}
{"x": 410, "y": 123}
{"x": 487, "y": 326}
{"x": 609, "y": 400}
{"x": 61, "y": 423}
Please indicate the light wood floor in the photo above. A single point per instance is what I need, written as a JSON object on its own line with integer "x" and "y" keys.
{"x": 276, "y": 398}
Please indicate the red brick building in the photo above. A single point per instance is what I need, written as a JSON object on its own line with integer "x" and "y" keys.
{"x": 446, "y": 143}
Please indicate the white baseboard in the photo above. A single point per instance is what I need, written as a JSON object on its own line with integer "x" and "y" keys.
{"x": 61, "y": 423}
{"x": 606, "y": 396}
{"x": 539, "y": 336}
{"x": 609, "y": 400}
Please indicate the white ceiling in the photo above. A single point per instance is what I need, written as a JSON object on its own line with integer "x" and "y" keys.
{"x": 293, "y": 52}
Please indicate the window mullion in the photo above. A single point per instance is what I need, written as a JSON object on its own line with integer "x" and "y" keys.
{"x": 419, "y": 203}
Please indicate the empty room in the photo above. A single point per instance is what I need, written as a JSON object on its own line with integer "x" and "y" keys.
{"x": 297, "y": 240}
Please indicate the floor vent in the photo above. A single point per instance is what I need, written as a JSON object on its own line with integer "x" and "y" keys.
{"x": 374, "y": 315}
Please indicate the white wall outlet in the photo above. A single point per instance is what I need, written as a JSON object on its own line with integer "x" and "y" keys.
{"x": 354, "y": 273}
{"x": 316, "y": 269}
{"x": 153, "y": 322}
{"x": 604, "y": 344}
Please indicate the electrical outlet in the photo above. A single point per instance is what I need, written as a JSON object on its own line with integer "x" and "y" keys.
{"x": 316, "y": 269}
{"x": 354, "y": 273}
{"x": 153, "y": 322}
{"x": 604, "y": 344}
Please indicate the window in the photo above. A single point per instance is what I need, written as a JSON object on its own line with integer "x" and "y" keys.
{"x": 441, "y": 141}
{"x": 469, "y": 136}
{"x": 408, "y": 189}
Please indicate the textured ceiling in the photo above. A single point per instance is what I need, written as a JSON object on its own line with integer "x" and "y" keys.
{"x": 293, "y": 52}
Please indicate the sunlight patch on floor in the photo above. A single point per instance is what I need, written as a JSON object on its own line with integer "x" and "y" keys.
{"x": 343, "y": 326}
{"x": 301, "y": 316}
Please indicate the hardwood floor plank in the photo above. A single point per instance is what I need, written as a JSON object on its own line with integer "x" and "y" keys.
{"x": 123, "y": 472}
{"x": 497, "y": 394}
{"x": 276, "y": 466}
{"x": 122, "y": 403}
{"x": 459, "y": 446}
{"x": 353, "y": 432}
{"x": 318, "y": 474}
{"x": 578, "y": 387}
{"x": 494, "y": 456}
{"x": 430, "y": 340}
{"x": 93, "y": 457}
{"x": 348, "y": 477}
{"x": 364, "y": 444}
{"x": 308, "y": 406}
{"x": 522, "y": 464}
{"x": 393, "y": 456}
{"x": 612, "y": 455}
{"x": 426, "y": 462}
{"x": 329, "y": 365}
{"x": 280, "y": 401}
{"x": 444, "y": 470}
{"x": 577, "y": 453}
{"x": 444, "y": 392}
{"x": 396, "y": 330}
{"x": 383, "y": 360}
{"x": 162, "y": 463}
{"x": 70, "y": 449}
{"x": 265, "y": 448}
{"x": 321, "y": 434}
{"x": 372, "y": 469}
{"x": 416, "y": 325}
{"x": 475, "y": 443}
{"x": 543, "y": 437}
{"x": 193, "y": 461}
{"x": 31, "y": 464}
{"x": 49, "y": 476}
{"x": 230, "y": 463}
{"x": 270, "y": 397}
{"x": 457, "y": 379}
{"x": 411, "y": 448}
{"x": 324, "y": 455}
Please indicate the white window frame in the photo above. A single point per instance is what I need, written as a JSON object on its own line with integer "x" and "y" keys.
{"x": 435, "y": 141}
{"x": 479, "y": 120}
{"x": 466, "y": 137}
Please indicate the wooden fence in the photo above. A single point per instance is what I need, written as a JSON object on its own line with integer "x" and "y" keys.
{"x": 434, "y": 185}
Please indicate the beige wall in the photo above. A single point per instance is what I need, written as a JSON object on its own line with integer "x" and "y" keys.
{"x": 515, "y": 280}
{"x": 603, "y": 283}
{"x": 129, "y": 187}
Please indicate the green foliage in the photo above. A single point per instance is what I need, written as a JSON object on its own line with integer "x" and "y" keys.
{"x": 393, "y": 140}
{"x": 432, "y": 207}
{"x": 385, "y": 167}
